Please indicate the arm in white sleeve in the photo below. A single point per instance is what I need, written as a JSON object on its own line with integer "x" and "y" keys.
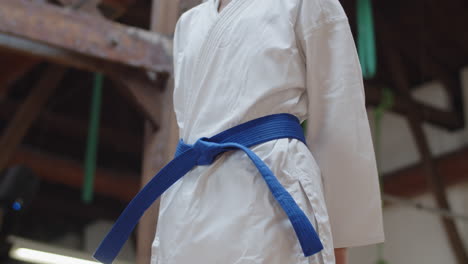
{"x": 338, "y": 132}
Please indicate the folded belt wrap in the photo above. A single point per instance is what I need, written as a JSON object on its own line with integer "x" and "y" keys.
{"x": 203, "y": 152}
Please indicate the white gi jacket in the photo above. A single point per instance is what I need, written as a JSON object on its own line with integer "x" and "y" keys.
{"x": 256, "y": 58}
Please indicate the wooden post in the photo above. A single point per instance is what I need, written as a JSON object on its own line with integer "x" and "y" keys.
{"x": 158, "y": 150}
{"x": 159, "y": 144}
{"x": 164, "y": 15}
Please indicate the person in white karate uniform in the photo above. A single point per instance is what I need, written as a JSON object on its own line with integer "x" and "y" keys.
{"x": 246, "y": 59}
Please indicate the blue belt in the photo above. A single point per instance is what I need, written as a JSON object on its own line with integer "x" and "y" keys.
{"x": 204, "y": 152}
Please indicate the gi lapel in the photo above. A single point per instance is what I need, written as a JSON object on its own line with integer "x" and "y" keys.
{"x": 213, "y": 37}
{"x": 215, "y": 33}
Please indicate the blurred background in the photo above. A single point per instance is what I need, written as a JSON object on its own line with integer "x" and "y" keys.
{"x": 86, "y": 119}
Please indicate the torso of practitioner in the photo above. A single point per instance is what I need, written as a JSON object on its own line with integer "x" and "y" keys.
{"x": 237, "y": 60}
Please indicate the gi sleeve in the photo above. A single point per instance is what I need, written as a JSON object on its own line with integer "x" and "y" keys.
{"x": 338, "y": 132}
{"x": 177, "y": 74}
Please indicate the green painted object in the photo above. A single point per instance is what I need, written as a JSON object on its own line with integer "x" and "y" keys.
{"x": 366, "y": 39}
{"x": 93, "y": 138}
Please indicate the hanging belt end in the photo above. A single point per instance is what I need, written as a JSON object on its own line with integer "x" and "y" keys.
{"x": 105, "y": 254}
{"x": 314, "y": 249}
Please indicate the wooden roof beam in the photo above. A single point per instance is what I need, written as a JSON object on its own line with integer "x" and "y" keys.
{"x": 64, "y": 201}
{"x": 126, "y": 74}
{"x": 411, "y": 181}
{"x": 114, "y": 184}
{"x": 23, "y": 63}
{"x": 86, "y": 34}
{"x": 28, "y": 112}
{"x": 92, "y": 53}
{"x": 452, "y": 119}
{"x": 433, "y": 177}
{"x": 116, "y": 139}
{"x": 439, "y": 117}
{"x": 14, "y": 65}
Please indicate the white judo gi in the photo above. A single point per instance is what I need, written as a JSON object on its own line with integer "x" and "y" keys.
{"x": 256, "y": 58}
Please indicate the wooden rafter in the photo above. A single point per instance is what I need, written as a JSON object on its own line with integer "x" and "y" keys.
{"x": 439, "y": 117}
{"x": 452, "y": 84}
{"x": 23, "y": 62}
{"x": 137, "y": 82}
{"x": 111, "y": 8}
{"x": 145, "y": 96}
{"x": 437, "y": 186}
{"x": 89, "y": 6}
{"x": 433, "y": 177}
{"x": 115, "y": 184}
{"x": 411, "y": 181}
{"x": 10, "y": 73}
{"x": 451, "y": 119}
{"x": 86, "y": 34}
{"x": 28, "y": 112}
{"x": 69, "y": 127}
{"x": 69, "y": 58}
{"x": 58, "y": 199}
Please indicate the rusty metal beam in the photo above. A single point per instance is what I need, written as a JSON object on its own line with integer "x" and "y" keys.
{"x": 114, "y": 184}
{"x": 28, "y": 112}
{"x": 86, "y": 34}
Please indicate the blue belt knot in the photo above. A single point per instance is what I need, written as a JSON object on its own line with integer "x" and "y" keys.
{"x": 207, "y": 150}
{"x": 203, "y": 152}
